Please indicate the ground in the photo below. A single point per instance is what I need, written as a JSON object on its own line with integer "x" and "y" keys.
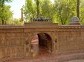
{"x": 53, "y": 58}
{"x": 77, "y": 60}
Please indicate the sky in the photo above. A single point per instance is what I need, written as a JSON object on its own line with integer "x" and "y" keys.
{"x": 16, "y": 5}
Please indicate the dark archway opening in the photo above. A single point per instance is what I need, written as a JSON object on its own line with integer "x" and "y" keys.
{"x": 45, "y": 43}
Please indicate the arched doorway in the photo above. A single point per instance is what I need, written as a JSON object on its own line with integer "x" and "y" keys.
{"x": 41, "y": 44}
{"x": 45, "y": 43}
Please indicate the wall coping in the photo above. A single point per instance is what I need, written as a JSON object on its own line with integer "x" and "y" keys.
{"x": 42, "y": 25}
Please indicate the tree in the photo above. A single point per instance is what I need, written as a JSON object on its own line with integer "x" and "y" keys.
{"x": 3, "y": 8}
{"x": 60, "y": 11}
{"x": 81, "y": 11}
{"x": 6, "y": 14}
{"x": 30, "y": 9}
{"x": 65, "y": 9}
{"x": 38, "y": 8}
{"x": 47, "y": 9}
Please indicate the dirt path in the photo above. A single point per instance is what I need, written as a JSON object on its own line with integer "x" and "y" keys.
{"x": 82, "y": 60}
{"x": 53, "y": 58}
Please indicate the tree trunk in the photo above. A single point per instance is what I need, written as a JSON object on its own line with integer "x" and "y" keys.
{"x": 3, "y": 22}
{"x": 78, "y": 11}
{"x": 37, "y": 2}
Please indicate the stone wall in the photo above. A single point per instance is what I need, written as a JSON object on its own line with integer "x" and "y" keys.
{"x": 70, "y": 39}
{"x": 12, "y": 43}
{"x": 15, "y": 41}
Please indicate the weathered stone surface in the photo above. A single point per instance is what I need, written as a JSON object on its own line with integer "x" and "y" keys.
{"x": 15, "y": 41}
{"x": 74, "y": 21}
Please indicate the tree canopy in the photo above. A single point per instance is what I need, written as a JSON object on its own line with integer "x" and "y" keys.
{"x": 60, "y": 11}
{"x": 5, "y": 13}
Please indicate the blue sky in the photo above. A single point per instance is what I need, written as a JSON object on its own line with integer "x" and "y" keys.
{"x": 16, "y": 5}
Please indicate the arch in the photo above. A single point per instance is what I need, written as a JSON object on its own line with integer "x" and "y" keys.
{"x": 42, "y": 42}
{"x": 45, "y": 42}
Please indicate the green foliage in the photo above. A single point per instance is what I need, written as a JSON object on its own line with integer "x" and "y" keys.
{"x": 5, "y": 13}
{"x": 82, "y": 11}
{"x": 15, "y": 22}
{"x": 2, "y": 2}
{"x": 46, "y": 8}
{"x": 30, "y": 9}
{"x": 60, "y": 11}
{"x": 65, "y": 9}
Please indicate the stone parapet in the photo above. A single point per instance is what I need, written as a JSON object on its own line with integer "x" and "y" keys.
{"x": 15, "y": 41}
